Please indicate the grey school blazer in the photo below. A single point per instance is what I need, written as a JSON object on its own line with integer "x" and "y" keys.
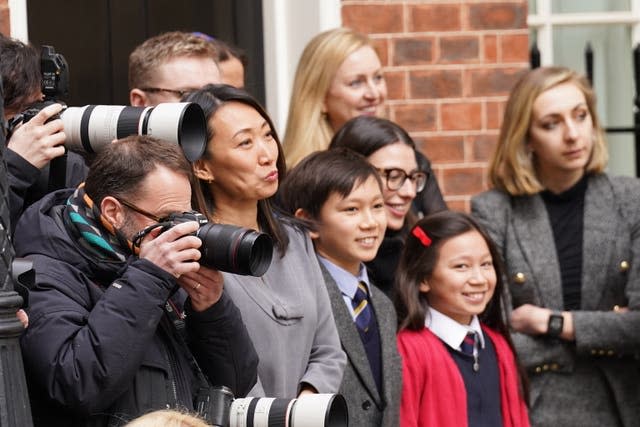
{"x": 367, "y": 408}
{"x": 602, "y": 365}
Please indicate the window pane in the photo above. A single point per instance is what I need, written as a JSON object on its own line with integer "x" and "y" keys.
{"x": 614, "y": 85}
{"x": 533, "y": 4}
{"x": 573, "y": 6}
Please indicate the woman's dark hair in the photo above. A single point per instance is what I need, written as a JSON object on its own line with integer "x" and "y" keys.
{"x": 211, "y": 98}
{"x": 418, "y": 261}
{"x": 367, "y": 134}
{"x": 311, "y": 182}
{"x": 20, "y": 71}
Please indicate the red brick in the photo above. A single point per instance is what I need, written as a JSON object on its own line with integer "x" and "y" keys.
{"x": 435, "y": 84}
{"x": 381, "y": 47}
{"x": 490, "y": 48}
{"x": 5, "y": 25}
{"x": 459, "y": 205}
{"x": 396, "y": 87}
{"x": 482, "y": 147}
{"x": 415, "y": 117}
{"x": 412, "y": 51}
{"x": 494, "y": 115}
{"x": 487, "y": 16}
{"x": 462, "y": 181}
{"x": 374, "y": 18}
{"x": 456, "y": 49}
{"x": 514, "y": 47}
{"x": 437, "y": 17}
{"x": 461, "y": 116}
{"x": 445, "y": 149}
{"x": 494, "y": 81}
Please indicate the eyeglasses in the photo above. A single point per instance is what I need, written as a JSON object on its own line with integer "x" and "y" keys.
{"x": 179, "y": 93}
{"x": 395, "y": 178}
{"x": 142, "y": 212}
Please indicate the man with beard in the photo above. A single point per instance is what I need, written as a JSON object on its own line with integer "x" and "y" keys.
{"x": 123, "y": 318}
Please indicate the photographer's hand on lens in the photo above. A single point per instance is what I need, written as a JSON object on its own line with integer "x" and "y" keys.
{"x": 203, "y": 286}
{"x": 175, "y": 250}
{"x": 39, "y": 142}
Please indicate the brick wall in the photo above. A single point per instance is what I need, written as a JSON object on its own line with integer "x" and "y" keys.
{"x": 449, "y": 67}
{"x": 4, "y": 17}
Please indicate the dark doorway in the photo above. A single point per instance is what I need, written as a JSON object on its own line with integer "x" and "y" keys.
{"x": 97, "y": 36}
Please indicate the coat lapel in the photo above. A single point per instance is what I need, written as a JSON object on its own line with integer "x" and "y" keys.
{"x": 350, "y": 338}
{"x": 535, "y": 238}
{"x": 600, "y": 224}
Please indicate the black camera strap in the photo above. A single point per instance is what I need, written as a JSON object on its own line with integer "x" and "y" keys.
{"x": 203, "y": 395}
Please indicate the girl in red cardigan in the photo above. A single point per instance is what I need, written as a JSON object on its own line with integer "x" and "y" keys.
{"x": 459, "y": 367}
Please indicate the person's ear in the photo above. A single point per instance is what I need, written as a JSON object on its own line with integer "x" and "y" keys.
{"x": 303, "y": 214}
{"x": 113, "y": 211}
{"x": 138, "y": 98}
{"x": 203, "y": 171}
{"x": 424, "y": 286}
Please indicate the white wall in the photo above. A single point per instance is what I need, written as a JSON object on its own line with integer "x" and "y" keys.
{"x": 288, "y": 26}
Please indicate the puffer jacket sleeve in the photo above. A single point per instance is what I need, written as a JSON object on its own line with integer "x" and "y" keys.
{"x": 84, "y": 345}
{"x": 220, "y": 343}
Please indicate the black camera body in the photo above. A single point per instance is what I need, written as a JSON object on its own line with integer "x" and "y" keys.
{"x": 55, "y": 74}
{"x": 226, "y": 247}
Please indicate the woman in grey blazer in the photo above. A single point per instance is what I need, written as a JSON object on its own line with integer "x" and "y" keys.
{"x": 570, "y": 238}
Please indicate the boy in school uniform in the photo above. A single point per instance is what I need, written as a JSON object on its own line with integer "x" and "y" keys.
{"x": 337, "y": 195}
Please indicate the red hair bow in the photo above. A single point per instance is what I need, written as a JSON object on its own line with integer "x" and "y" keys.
{"x": 420, "y": 234}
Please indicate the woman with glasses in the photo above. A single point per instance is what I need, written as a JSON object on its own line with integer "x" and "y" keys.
{"x": 391, "y": 150}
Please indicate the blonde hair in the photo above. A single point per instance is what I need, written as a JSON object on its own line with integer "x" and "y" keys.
{"x": 167, "y": 418}
{"x": 512, "y": 169}
{"x": 308, "y": 129}
{"x": 155, "y": 51}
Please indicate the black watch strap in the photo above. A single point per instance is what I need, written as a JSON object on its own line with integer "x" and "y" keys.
{"x": 556, "y": 322}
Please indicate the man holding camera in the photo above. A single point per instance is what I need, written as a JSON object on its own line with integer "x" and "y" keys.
{"x": 165, "y": 67}
{"x": 32, "y": 145}
{"x": 123, "y": 318}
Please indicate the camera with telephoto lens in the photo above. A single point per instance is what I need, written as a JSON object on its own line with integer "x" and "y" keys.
{"x": 220, "y": 409}
{"x": 226, "y": 247}
{"x": 92, "y": 127}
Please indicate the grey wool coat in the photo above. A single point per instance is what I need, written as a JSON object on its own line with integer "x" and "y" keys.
{"x": 367, "y": 407}
{"x": 594, "y": 381}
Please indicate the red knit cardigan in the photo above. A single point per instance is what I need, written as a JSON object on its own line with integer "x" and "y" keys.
{"x": 433, "y": 391}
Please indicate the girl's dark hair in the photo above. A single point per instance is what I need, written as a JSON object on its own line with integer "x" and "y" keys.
{"x": 418, "y": 261}
{"x": 211, "y": 98}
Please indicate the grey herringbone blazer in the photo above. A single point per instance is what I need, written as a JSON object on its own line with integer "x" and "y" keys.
{"x": 596, "y": 379}
{"x": 367, "y": 408}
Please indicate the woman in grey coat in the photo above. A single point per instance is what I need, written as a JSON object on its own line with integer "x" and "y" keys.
{"x": 570, "y": 237}
{"x": 287, "y": 310}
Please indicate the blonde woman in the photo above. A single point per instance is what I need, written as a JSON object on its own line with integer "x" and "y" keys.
{"x": 339, "y": 76}
{"x": 569, "y": 234}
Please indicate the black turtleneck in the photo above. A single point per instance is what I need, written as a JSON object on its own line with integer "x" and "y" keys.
{"x": 566, "y": 214}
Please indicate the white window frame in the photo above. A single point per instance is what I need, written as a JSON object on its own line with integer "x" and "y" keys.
{"x": 543, "y": 21}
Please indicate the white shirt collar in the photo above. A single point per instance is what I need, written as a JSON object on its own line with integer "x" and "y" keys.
{"x": 450, "y": 331}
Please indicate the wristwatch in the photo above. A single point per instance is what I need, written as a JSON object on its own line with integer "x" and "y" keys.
{"x": 556, "y": 322}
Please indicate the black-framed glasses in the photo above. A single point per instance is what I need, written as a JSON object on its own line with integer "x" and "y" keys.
{"x": 142, "y": 212}
{"x": 178, "y": 92}
{"x": 395, "y": 178}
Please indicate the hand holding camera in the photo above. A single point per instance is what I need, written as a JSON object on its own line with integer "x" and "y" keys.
{"x": 204, "y": 287}
{"x": 174, "y": 250}
{"x": 40, "y": 139}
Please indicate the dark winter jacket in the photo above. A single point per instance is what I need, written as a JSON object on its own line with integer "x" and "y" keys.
{"x": 28, "y": 184}
{"x": 100, "y": 348}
